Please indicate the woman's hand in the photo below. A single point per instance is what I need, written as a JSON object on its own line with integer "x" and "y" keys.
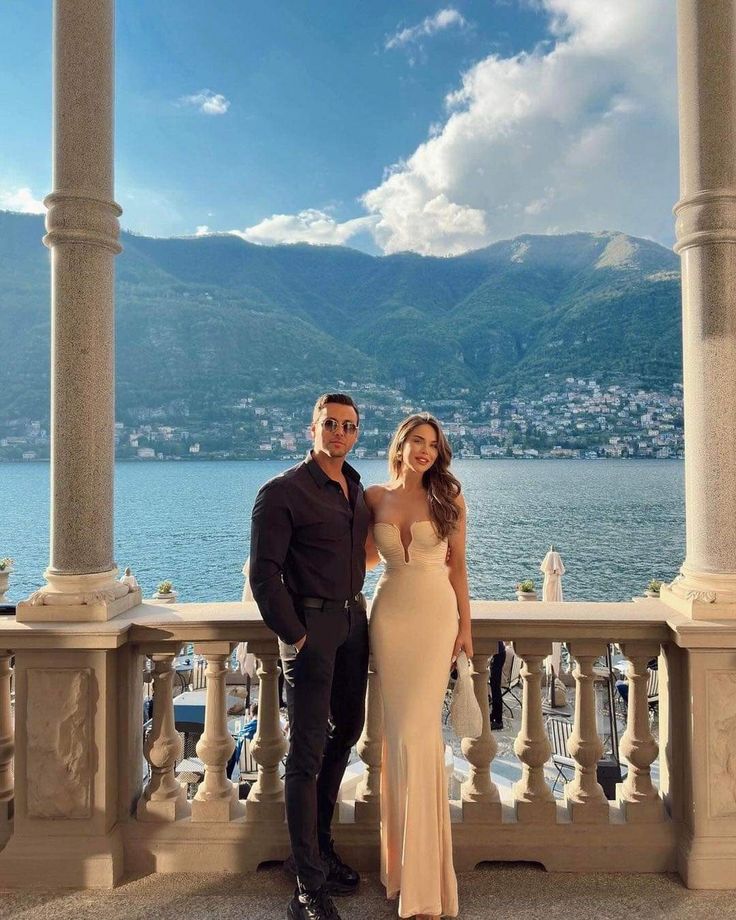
{"x": 463, "y": 641}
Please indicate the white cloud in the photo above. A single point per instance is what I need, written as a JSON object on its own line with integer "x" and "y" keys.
{"x": 429, "y": 26}
{"x": 580, "y": 134}
{"x": 311, "y": 226}
{"x": 202, "y": 230}
{"x": 21, "y": 200}
{"x": 207, "y": 102}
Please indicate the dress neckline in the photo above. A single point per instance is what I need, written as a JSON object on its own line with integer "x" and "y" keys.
{"x": 397, "y": 528}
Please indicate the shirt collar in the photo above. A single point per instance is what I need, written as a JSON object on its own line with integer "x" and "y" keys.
{"x": 319, "y": 475}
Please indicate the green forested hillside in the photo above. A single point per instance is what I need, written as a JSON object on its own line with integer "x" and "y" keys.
{"x": 209, "y": 320}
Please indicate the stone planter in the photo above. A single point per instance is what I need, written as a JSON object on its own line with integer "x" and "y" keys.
{"x": 526, "y": 595}
{"x": 169, "y": 598}
{"x": 651, "y": 594}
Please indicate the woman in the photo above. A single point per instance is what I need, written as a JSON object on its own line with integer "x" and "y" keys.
{"x": 420, "y": 619}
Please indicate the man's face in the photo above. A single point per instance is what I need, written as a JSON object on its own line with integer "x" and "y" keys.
{"x": 336, "y": 442}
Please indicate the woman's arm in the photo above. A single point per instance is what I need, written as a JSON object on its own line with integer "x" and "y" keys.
{"x": 458, "y": 573}
{"x": 372, "y": 559}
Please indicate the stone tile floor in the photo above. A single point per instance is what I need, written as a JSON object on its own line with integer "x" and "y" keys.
{"x": 513, "y": 891}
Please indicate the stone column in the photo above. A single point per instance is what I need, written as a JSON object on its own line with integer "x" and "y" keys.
{"x": 164, "y": 798}
{"x": 586, "y": 800}
{"x": 481, "y": 801}
{"x": 217, "y": 796}
{"x": 82, "y": 225}
{"x": 7, "y": 747}
{"x": 370, "y": 747}
{"x": 638, "y": 797}
{"x": 706, "y": 241}
{"x": 266, "y": 796}
{"x": 532, "y": 796}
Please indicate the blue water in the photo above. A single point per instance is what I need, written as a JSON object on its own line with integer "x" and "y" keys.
{"x": 616, "y": 523}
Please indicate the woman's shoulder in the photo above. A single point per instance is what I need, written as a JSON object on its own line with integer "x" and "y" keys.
{"x": 374, "y": 494}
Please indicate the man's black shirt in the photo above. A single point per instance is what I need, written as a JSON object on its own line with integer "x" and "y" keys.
{"x": 306, "y": 539}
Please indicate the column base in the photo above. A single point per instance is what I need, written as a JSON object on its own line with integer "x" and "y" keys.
{"x": 92, "y": 598}
{"x": 481, "y": 812}
{"x": 708, "y": 862}
{"x": 646, "y": 811}
{"x": 56, "y": 861}
{"x": 701, "y": 595}
{"x": 163, "y": 811}
{"x": 213, "y": 810}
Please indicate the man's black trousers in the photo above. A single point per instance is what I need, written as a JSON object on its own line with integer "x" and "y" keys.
{"x": 325, "y": 693}
{"x": 495, "y": 678}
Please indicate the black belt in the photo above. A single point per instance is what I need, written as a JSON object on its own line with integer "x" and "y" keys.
{"x": 324, "y": 603}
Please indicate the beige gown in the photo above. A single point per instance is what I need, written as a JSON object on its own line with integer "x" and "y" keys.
{"x": 413, "y": 627}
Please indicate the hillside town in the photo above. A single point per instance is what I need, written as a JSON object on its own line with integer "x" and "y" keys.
{"x": 575, "y": 418}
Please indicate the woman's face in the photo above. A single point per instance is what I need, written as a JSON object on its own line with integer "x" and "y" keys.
{"x": 420, "y": 448}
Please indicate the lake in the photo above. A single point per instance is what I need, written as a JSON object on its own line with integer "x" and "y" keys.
{"x": 616, "y": 523}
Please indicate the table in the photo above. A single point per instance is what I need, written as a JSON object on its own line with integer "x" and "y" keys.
{"x": 190, "y": 705}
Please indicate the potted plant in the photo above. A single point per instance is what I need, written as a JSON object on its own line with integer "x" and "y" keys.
{"x": 165, "y": 592}
{"x": 652, "y": 589}
{"x": 525, "y": 590}
{"x": 6, "y": 569}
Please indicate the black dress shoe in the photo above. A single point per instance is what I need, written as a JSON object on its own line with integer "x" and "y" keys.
{"x": 496, "y": 726}
{"x": 341, "y": 879}
{"x": 311, "y": 905}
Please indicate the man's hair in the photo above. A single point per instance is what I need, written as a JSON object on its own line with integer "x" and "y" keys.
{"x": 341, "y": 398}
{"x": 254, "y": 709}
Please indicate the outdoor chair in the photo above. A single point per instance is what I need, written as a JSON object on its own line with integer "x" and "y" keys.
{"x": 190, "y": 769}
{"x": 511, "y": 685}
{"x": 558, "y": 731}
{"x": 653, "y": 692}
{"x": 199, "y": 682}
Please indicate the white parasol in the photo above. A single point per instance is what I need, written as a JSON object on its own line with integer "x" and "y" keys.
{"x": 553, "y": 569}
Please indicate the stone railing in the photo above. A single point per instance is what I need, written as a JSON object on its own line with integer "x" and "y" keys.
{"x": 88, "y": 809}
{"x": 7, "y": 743}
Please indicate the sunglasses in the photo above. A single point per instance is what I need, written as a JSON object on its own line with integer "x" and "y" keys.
{"x": 331, "y": 425}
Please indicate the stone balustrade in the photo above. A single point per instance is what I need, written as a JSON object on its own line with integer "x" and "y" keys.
{"x": 7, "y": 745}
{"x": 148, "y": 824}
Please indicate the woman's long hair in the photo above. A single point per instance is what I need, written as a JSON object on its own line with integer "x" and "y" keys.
{"x": 442, "y": 487}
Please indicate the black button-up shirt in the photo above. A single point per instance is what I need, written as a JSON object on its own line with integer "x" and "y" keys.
{"x": 306, "y": 539}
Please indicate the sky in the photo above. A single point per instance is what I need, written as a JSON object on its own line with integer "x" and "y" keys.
{"x": 388, "y": 125}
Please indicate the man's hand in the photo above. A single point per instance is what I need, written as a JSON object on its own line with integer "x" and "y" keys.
{"x": 299, "y": 645}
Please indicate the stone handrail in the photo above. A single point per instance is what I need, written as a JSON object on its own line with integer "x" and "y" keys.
{"x": 159, "y": 826}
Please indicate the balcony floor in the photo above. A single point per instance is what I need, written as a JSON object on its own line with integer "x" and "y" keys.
{"x": 519, "y": 891}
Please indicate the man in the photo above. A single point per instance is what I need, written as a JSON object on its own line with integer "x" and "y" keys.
{"x": 307, "y": 567}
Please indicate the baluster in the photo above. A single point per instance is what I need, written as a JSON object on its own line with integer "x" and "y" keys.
{"x": 370, "y": 745}
{"x": 7, "y": 747}
{"x": 163, "y": 798}
{"x": 479, "y": 794}
{"x": 532, "y": 796}
{"x": 638, "y": 797}
{"x": 266, "y": 796}
{"x": 586, "y": 801}
{"x": 217, "y": 796}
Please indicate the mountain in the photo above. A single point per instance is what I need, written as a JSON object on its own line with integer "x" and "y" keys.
{"x": 209, "y": 320}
